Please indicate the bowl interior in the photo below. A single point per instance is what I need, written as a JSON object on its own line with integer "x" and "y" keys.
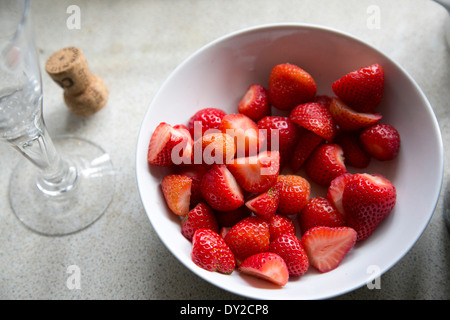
{"x": 217, "y": 76}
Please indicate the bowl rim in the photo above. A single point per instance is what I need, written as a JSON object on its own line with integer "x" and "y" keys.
{"x": 295, "y": 25}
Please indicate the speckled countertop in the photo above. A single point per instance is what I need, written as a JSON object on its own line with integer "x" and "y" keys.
{"x": 133, "y": 46}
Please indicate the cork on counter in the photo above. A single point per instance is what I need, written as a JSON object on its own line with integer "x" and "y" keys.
{"x": 84, "y": 92}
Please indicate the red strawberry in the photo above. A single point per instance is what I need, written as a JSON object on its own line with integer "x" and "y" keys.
{"x": 325, "y": 163}
{"x": 294, "y": 194}
{"x": 323, "y": 100}
{"x": 177, "y": 192}
{"x": 258, "y": 173}
{"x": 210, "y": 252}
{"x": 307, "y": 142}
{"x": 208, "y": 118}
{"x": 248, "y": 237}
{"x": 255, "y": 103}
{"x": 335, "y": 191}
{"x": 289, "y": 86}
{"x": 350, "y": 120}
{"x": 220, "y": 189}
{"x": 200, "y": 217}
{"x": 367, "y": 200}
{"x": 319, "y": 211}
{"x": 361, "y": 89}
{"x": 314, "y": 117}
{"x": 289, "y": 247}
{"x": 265, "y": 204}
{"x": 283, "y": 131}
{"x": 195, "y": 172}
{"x": 279, "y": 225}
{"x": 326, "y": 246}
{"x": 381, "y": 141}
{"x": 244, "y": 130}
{"x": 268, "y": 266}
{"x": 213, "y": 148}
{"x": 354, "y": 154}
{"x": 164, "y": 140}
{"x": 230, "y": 218}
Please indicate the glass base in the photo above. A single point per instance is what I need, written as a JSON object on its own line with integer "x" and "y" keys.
{"x": 73, "y": 210}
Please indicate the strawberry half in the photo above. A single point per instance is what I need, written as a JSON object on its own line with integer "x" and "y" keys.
{"x": 248, "y": 237}
{"x": 205, "y": 119}
{"x": 316, "y": 118}
{"x": 210, "y": 252}
{"x": 176, "y": 189}
{"x": 336, "y": 190}
{"x": 361, "y": 89}
{"x": 289, "y": 247}
{"x": 294, "y": 194}
{"x": 265, "y": 205}
{"x": 319, "y": 211}
{"x": 213, "y": 148}
{"x": 279, "y": 225}
{"x": 325, "y": 163}
{"x": 367, "y": 200}
{"x": 244, "y": 130}
{"x": 258, "y": 173}
{"x": 381, "y": 141}
{"x": 200, "y": 217}
{"x": 350, "y": 120}
{"x": 164, "y": 140}
{"x": 220, "y": 189}
{"x": 326, "y": 246}
{"x": 289, "y": 86}
{"x": 195, "y": 172}
{"x": 308, "y": 141}
{"x": 268, "y": 266}
{"x": 354, "y": 154}
{"x": 255, "y": 103}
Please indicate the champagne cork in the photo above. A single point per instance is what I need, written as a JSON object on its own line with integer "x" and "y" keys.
{"x": 84, "y": 92}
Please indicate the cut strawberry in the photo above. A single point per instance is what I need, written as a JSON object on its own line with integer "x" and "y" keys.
{"x": 244, "y": 130}
{"x": 367, "y": 200}
{"x": 326, "y": 247}
{"x": 163, "y": 141}
{"x": 289, "y": 247}
{"x": 205, "y": 119}
{"x": 258, "y": 173}
{"x": 214, "y": 148}
{"x": 354, "y": 154}
{"x": 361, "y": 89}
{"x": 195, "y": 172}
{"x": 220, "y": 189}
{"x": 210, "y": 252}
{"x": 200, "y": 217}
{"x": 350, "y": 120}
{"x": 319, "y": 211}
{"x": 279, "y": 225}
{"x": 294, "y": 194}
{"x": 336, "y": 190}
{"x": 314, "y": 117}
{"x": 308, "y": 141}
{"x": 289, "y": 86}
{"x": 325, "y": 163}
{"x": 255, "y": 103}
{"x": 268, "y": 266}
{"x": 265, "y": 205}
{"x": 381, "y": 141}
{"x": 177, "y": 193}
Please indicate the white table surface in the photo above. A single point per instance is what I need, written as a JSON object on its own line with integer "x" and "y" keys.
{"x": 133, "y": 46}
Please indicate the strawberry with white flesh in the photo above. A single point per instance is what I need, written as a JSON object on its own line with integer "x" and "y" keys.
{"x": 195, "y": 172}
{"x": 336, "y": 190}
{"x": 255, "y": 103}
{"x": 326, "y": 247}
{"x": 361, "y": 89}
{"x": 216, "y": 147}
{"x": 200, "y": 217}
{"x": 350, "y": 120}
{"x": 244, "y": 130}
{"x": 367, "y": 200}
{"x": 176, "y": 189}
{"x": 381, "y": 141}
{"x": 289, "y": 86}
{"x": 164, "y": 139}
{"x": 258, "y": 173}
{"x": 268, "y": 266}
{"x": 289, "y": 247}
{"x": 316, "y": 118}
{"x": 220, "y": 189}
{"x": 210, "y": 252}
{"x": 325, "y": 163}
{"x": 354, "y": 154}
{"x": 265, "y": 204}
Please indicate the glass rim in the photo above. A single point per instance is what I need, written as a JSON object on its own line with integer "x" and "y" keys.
{"x": 10, "y": 38}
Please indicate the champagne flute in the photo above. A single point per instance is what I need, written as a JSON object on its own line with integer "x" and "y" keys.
{"x": 61, "y": 185}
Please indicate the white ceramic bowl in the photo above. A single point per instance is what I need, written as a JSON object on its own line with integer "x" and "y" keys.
{"x": 217, "y": 76}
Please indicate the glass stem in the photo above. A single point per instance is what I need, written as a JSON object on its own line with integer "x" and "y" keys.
{"x": 56, "y": 176}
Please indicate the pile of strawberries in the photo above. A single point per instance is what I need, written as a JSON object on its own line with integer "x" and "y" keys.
{"x": 238, "y": 207}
